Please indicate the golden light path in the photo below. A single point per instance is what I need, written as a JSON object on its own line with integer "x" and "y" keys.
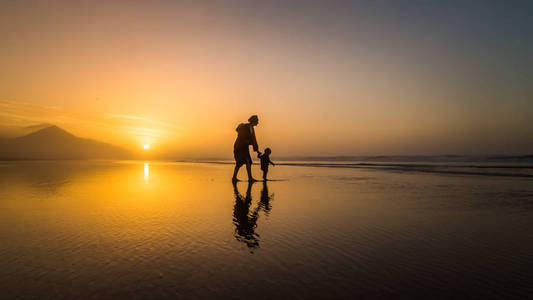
{"x": 146, "y": 171}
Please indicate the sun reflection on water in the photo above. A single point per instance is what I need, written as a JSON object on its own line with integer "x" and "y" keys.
{"x": 146, "y": 171}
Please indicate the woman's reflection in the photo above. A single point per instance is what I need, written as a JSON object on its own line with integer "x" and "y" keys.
{"x": 246, "y": 222}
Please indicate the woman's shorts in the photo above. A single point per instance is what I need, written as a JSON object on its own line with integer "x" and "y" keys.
{"x": 242, "y": 156}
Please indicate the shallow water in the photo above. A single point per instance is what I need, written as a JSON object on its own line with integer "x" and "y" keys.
{"x": 147, "y": 230}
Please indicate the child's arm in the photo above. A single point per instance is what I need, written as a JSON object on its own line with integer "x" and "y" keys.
{"x": 271, "y": 162}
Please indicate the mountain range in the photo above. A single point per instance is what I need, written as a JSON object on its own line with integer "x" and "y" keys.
{"x": 53, "y": 142}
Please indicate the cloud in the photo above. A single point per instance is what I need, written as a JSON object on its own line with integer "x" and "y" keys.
{"x": 127, "y": 117}
{"x": 147, "y": 121}
{"x": 26, "y": 114}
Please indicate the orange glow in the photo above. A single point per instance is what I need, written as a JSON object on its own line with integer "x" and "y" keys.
{"x": 181, "y": 79}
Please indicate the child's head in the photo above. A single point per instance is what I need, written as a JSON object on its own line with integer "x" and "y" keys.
{"x": 268, "y": 151}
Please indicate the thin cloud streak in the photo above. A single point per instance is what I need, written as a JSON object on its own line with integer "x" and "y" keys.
{"x": 17, "y": 118}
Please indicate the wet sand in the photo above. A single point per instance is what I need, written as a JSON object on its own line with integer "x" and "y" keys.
{"x": 147, "y": 230}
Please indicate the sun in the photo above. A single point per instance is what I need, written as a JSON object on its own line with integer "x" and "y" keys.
{"x": 146, "y": 146}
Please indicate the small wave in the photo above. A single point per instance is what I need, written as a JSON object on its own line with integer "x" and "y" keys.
{"x": 504, "y": 170}
{"x": 480, "y": 170}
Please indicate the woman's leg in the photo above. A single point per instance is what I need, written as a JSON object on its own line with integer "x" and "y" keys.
{"x": 249, "y": 170}
{"x": 236, "y": 170}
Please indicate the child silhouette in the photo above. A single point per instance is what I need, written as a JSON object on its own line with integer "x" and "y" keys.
{"x": 265, "y": 161}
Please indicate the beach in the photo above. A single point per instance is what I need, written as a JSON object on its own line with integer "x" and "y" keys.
{"x": 135, "y": 229}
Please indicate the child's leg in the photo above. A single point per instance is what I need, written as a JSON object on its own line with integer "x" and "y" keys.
{"x": 265, "y": 171}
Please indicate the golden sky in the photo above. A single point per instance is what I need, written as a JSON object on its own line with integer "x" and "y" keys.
{"x": 325, "y": 79}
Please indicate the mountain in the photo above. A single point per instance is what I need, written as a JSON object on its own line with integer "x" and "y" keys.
{"x": 7, "y": 131}
{"x": 55, "y": 143}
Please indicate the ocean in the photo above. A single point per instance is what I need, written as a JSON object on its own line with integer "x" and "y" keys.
{"x": 342, "y": 228}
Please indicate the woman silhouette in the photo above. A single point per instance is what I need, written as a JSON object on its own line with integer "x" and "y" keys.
{"x": 241, "y": 151}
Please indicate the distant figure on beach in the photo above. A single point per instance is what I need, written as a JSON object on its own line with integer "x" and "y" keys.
{"x": 241, "y": 150}
{"x": 265, "y": 161}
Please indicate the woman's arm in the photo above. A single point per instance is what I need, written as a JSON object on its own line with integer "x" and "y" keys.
{"x": 254, "y": 140}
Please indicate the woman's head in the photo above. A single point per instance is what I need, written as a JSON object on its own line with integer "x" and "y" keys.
{"x": 254, "y": 120}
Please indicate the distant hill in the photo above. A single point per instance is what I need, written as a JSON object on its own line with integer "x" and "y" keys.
{"x": 7, "y": 131}
{"x": 55, "y": 143}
